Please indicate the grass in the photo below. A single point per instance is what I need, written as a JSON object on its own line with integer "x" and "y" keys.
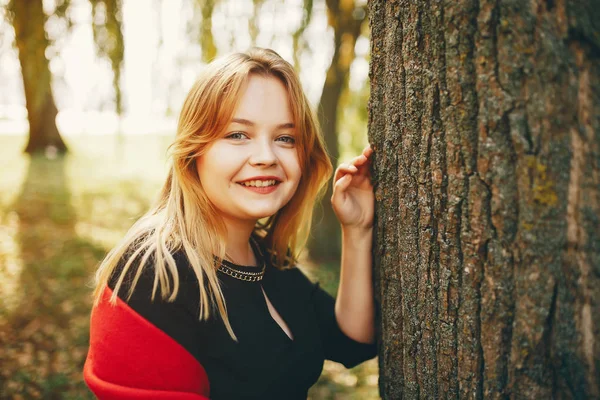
{"x": 57, "y": 220}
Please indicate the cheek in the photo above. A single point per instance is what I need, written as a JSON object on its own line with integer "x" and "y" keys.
{"x": 298, "y": 173}
{"x": 295, "y": 172}
{"x": 293, "y": 166}
{"x": 217, "y": 166}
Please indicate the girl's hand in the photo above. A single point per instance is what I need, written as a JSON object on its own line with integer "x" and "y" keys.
{"x": 353, "y": 199}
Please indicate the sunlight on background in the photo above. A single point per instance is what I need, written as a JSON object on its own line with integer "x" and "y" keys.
{"x": 161, "y": 62}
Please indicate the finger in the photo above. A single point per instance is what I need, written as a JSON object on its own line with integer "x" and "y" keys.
{"x": 342, "y": 184}
{"x": 362, "y": 162}
{"x": 345, "y": 169}
{"x": 359, "y": 160}
{"x": 348, "y": 167}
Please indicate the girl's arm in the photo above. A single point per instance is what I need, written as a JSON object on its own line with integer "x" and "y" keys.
{"x": 354, "y": 306}
{"x": 353, "y": 201}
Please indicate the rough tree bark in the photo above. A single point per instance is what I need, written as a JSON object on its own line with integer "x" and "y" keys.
{"x": 346, "y": 19}
{"x": 485, "y": 119}
{"x": 28, "y": 20}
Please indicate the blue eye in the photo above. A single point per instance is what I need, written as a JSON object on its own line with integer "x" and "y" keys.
{"x": 236, "y": 135}
{"x": 287, "y": 139}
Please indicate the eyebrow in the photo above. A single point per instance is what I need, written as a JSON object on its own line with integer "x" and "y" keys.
{"x": 287, "y": 125}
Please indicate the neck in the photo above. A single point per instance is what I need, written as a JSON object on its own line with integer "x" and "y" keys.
{"x": 238, "y": 241}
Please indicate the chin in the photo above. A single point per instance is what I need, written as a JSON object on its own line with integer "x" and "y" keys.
{"x": 260, "y": 213}
{"x": 257, "y": 216}
{"x": 260, "y": 210}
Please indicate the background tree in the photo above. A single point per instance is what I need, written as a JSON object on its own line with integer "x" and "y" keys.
{"x": 207, "y": 41}
{"x": 107, "y": 22}
{"x": 346, "y": 18}
{"x": 298, "y": 43}
{"x": 253, "y": 28}
{"x": 485, "y": 118}
{"x": 28, "y": 20}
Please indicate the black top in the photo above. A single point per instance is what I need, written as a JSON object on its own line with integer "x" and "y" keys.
{"x": 265, "y": 363}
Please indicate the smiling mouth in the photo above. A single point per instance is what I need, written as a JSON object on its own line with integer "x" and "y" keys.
{"x": 259, "y": 184}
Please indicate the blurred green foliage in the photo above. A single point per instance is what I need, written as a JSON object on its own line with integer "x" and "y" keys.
{"x": 58, "y": 217}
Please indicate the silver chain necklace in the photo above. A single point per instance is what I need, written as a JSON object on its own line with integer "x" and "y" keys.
{"x": 244, "y": 275}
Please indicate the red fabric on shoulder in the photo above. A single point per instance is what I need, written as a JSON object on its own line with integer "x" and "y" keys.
{"x": 129, "y": 358}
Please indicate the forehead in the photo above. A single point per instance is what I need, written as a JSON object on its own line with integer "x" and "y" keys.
{"x": 264, "y": 100}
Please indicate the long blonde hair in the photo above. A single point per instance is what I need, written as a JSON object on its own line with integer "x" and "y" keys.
{"x": 183, "y": 218}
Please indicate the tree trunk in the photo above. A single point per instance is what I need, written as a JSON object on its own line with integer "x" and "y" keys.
{"x": 346, "y": 20}
{"x": 298, "y": 43}
{"x": 485, "y": 120}
{"x": 107, "y": 17}
{"x": 28, "y": 21}
{"x": 253, "y": 28}
{"x": 207, "y": 41}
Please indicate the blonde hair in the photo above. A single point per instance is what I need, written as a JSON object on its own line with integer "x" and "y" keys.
{"x": 183, "y": 218}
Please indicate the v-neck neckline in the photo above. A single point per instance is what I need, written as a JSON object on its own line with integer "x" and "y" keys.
{"x": 265, "y": 303}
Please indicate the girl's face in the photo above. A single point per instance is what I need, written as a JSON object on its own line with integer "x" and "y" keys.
{"x": 252, "y": 169}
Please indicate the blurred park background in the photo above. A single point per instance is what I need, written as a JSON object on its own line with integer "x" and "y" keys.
{"x": 112, "y": 75}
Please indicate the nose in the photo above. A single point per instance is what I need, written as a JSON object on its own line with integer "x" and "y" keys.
{"x": 262, "y": 153}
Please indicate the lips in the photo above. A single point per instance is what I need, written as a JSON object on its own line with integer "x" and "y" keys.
{"x": 261, "y": 189}
{"x": 260, "y": 181}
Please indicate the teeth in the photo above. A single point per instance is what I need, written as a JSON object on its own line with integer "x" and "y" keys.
{"x": 260, "y": 183}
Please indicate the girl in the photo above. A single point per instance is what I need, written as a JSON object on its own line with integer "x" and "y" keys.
{"x": 202, "y": 298}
